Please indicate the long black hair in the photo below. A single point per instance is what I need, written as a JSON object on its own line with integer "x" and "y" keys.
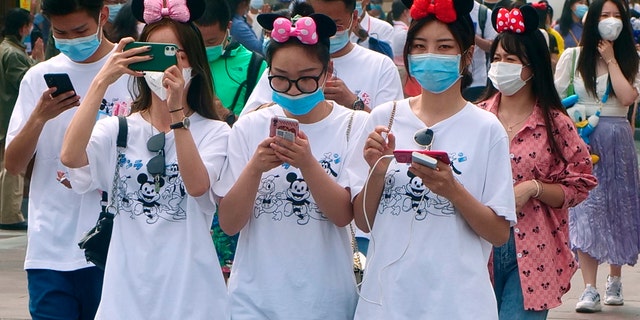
{"x": 623, "y": 47}
{"x": 531, "y": 48}
{"x": 566, "y": 17}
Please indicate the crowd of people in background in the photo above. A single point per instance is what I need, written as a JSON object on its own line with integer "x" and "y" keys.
{"x": 478, "y": 148}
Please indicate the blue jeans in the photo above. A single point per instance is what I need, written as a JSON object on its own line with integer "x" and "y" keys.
{"x": 506, "y": 285}
{"x": 64, "y": 295}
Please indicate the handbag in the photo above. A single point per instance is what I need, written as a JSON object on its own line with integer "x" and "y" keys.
{"x": 96, "y": 241}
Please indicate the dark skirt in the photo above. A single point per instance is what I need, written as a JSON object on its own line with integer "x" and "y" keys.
{"x": 607, "y": 224}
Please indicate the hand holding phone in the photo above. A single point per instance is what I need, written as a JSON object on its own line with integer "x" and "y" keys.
{"x": 59, "y": 80}
{"x": 406, "y": 156}
{"x": 164, "y": 56}
{"x": 284, "y": 127}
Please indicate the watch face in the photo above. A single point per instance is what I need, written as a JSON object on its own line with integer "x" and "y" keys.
{"x": 186, "y": 122}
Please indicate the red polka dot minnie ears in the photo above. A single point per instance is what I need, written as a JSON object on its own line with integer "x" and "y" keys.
{"x": 517, "y": 20}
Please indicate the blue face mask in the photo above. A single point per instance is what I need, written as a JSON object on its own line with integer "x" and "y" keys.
{"x": 435, "y": 72}
{"x": 338, "y": 41}
{"x": 300, "y": 104}
{"x": 359, "y": 7}
{"x": 79, "y": 49}
{"x": 581, "y": 10}
{"x": 113, "y": 11}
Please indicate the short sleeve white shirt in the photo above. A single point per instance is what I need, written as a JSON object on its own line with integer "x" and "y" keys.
{"x": 422, "y": 249}
{"x": 291, "y": 261}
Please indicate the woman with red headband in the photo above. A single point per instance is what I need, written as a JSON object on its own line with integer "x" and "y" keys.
{"x": 550, "y": 164}
{"x": 432, "y": 228}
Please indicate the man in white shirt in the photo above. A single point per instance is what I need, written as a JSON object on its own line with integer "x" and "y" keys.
{"x": 484, "y": 38}
{"x": 371, "y": 27}
{"x": 61, "y": 283}
{"x": 362, "y": 78}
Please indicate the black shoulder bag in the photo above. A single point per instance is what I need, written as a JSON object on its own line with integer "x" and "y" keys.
{"x": 96, "y": 242}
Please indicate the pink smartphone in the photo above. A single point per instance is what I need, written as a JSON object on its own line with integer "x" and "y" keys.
{"x": 284, "y": 127}
{"x": 405, "y": 156}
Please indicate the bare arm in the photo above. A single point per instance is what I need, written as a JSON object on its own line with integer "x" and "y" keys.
{"x": 625, "y": 92}
{"x": 76, "y": 139}
{"x": 236, "y": 207}
{"x": 375, "y": 147}
{"x": 22, "y": 148}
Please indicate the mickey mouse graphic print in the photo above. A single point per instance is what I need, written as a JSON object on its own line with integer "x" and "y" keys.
{"x": 420, "y": 233}
{"x": 292, "y": 261}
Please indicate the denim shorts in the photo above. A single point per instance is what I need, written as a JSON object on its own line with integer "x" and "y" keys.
{"x": 64, "y": 295}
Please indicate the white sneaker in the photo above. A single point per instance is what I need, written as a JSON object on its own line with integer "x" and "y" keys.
{"x": 613, "y": 295}
{"x": 589, "y": 300}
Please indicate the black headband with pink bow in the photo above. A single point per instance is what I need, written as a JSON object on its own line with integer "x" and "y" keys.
{"x": 150, "y": 11}
{"x": 308, "y": 30}
{"x": 523, "y": 20}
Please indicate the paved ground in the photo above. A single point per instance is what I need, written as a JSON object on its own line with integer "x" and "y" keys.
{"x": 14, "y": 299}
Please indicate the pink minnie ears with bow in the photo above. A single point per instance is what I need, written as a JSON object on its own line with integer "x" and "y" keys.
{"x": 150, "y": 11}
{"x": 518, "y": 20}
{"x": 304, "y": 29}
{"x": 308, "y": 30}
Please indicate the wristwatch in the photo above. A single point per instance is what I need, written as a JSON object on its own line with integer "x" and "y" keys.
{"x": 182, "y": 124}
{"x": 358, "y": 104}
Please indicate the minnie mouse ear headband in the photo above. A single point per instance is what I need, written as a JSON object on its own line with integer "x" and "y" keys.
{"x": 309, "y": 30}
{"x": 150, "y": 11}
{"x": 446, "y": 11}
{"x": 521, "y": 20}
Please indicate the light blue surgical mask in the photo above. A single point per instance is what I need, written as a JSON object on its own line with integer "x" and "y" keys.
{"x": 256, "y": 4}
{"x": 435, "y": 72}
{"x": 359, "y": 7}
{"x": 581, "y": 10}
{"x": 113, "y": 11}
{"x": 338, "y": 41}
{"x": 300, "y": 104}
{"x": 79, "y": 49}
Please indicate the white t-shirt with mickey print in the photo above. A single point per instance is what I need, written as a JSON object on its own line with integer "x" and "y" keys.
{"x": 291, "y": 262}
{"x": 162, "y": 263}
{"x": 424, "y": 261}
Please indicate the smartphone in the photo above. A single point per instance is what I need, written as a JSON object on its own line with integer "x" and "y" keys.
{"x": 424, "y": 160}
{"x": 406, "y": 156}
{"x": 59, "y": 80}
{"x": 164, "y": 56}
{"x": 284, "y": 127}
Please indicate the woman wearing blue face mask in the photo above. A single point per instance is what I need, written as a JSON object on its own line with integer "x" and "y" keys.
{"x": 289, "y": 199}
{"x": 433, "y": 226}
{"x": 570, "y": 22}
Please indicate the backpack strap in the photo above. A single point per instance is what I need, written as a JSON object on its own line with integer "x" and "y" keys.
{"x": 570, "y": 89}
{"x": 121, "y": 142}
{"x": 250, "y": 82}
{"x": 482, "y": 18}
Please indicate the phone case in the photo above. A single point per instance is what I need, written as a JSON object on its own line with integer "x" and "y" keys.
{"x": 164, "y": 56}
{"x": 405, "y": 156}
{"x": 424, "y": 160}
{"x": 286, "y": 128}
{"x": 59, "y": 80}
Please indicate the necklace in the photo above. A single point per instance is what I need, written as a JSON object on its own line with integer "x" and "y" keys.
{"x": 510, "y": 127}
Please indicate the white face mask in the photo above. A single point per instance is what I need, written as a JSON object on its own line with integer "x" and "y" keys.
{"x": 610, "y": 28}
{"x": 506, "y": 77}
{"x": 154, "y": 81}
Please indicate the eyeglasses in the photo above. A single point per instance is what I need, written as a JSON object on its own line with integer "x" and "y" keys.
{"x": 156, "y": 165}
{"x": 306, "y": 84}
{"x": 424, "y": 138}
